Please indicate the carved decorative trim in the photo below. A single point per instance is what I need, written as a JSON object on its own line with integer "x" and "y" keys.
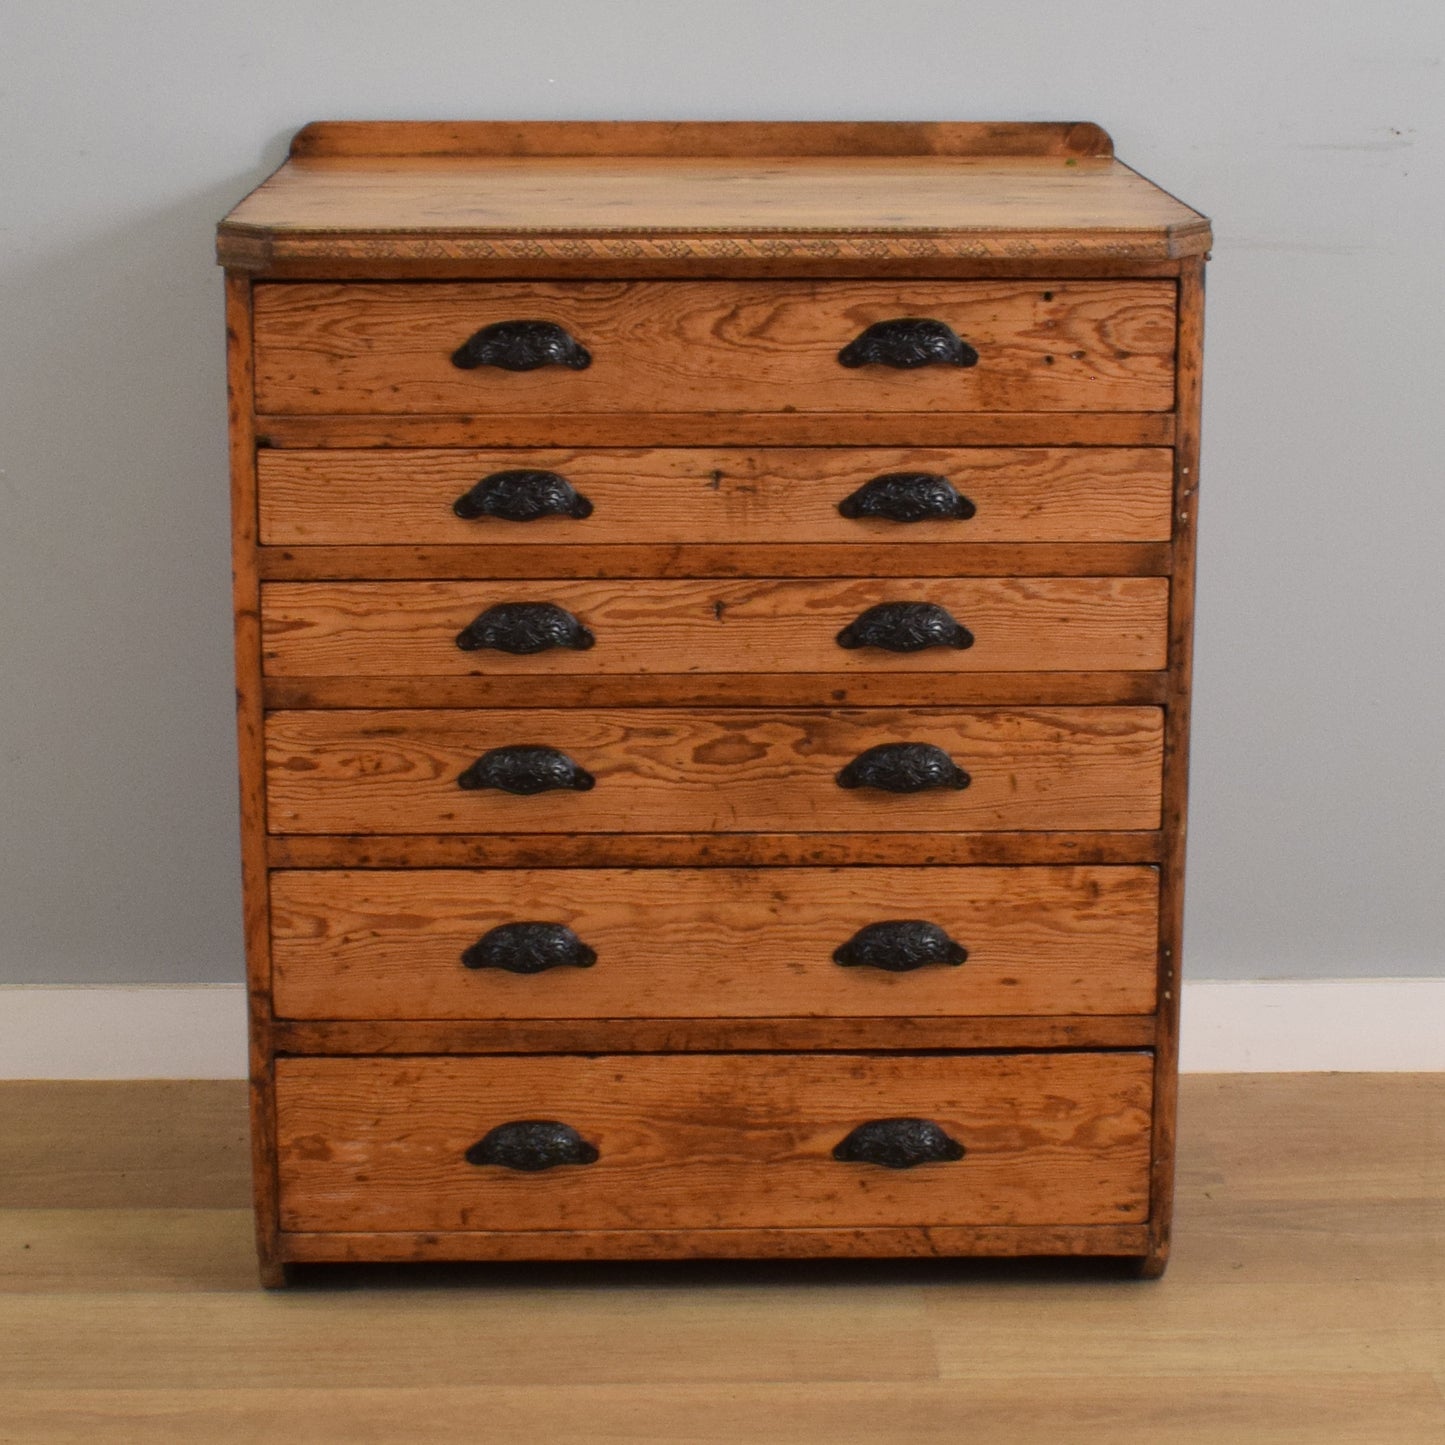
{"x": 240, "y": 247}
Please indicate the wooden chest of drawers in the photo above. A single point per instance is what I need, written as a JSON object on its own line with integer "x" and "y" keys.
{"x": 713, "y": 627}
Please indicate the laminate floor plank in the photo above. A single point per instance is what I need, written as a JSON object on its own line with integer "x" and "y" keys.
{"x": 118, "y": 1252}
{"x": 1293, "y": 1409}
{"x": 1195, "y": 1326}
{"x": 1304, "y": 1305}
{"x": 508, "y": 1336}
{"x": 123, "y": 1144}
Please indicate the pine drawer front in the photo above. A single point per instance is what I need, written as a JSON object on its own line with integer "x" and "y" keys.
{"x": 667, "y": 770}
{"x": 714, "y": 942}
{"x": 627, "y": 627}
{"x": 708, "y": 1141}
{"x": 347, "y": 497}
{"x": 745, "y": 346}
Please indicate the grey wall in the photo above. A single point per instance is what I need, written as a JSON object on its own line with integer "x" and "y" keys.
{"x": 1312, "y": 134}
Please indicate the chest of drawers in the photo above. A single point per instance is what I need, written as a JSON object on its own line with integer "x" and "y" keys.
{"x": 713, "y": 616}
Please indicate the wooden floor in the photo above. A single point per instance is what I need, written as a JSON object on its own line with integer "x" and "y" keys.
{"x": 1305, "y": 1303}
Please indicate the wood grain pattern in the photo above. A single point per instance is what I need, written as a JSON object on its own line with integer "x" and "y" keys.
{"x": 984, "y": 1032}
{"x": 712, "y": 850}
{"x": 409, "y": 629}
{"x": 1176, "y": 754}
{"x": 667, "y": 496}
{"x": 681, "y": 138}
{"x": 717, "y": 559}
{"x": 501, "y": 200}
{"x": 715, "y": 943}
{"x": 396, "y": 772}
{"x": 728, "y": 689}
{"x": 712, "y": 1141}
{"x": 590, "y": 254}
{"x": 712, "y": 428}
{"x": 708, "y": 257}
{"x": 732, "y": 196}
{"x": 938, "y": 1242}
{"x": 745, "y": 346}
{"x": 246, "y": 605}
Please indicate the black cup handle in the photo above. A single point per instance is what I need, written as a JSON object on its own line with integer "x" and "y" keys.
{"x": 905, "y": 627}
{"x": 521, "y": 346}
{"x": 903, "y": 768}
{"x": 907, "y": 343}
{"x": 532, "y": 1145}
{"x": 899, "y": 946}
{"x": 525, "y": 770}
{"x": 529, "y": 948}
{"x": 523, "y": 628}
{"x": 908, "y": 497}
{"x": 522, "y": 495}
{"x": 899, "y": 1144}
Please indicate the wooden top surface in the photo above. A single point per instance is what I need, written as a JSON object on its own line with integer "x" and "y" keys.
{"x": 421, "y": 191}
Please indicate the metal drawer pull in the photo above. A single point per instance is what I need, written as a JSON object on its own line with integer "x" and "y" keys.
{"x": 908, "y": 497}
{"x": 903, "y": 768}
{"x": 522, "y": 496}
{"x": 898, "y": 1144}
{"x": 905, "y": 627}
{"x": 526, "y": 770}
{"x": 532, "y": 1145}
{"x": 523, "y": 628}
{"x": 529, "y": 948}
{"x": 900, "y": 946}
{"x": 521, "y": 346}
{"x": 908, "y": 342}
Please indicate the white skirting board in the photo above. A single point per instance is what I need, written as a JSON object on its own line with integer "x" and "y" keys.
{"x": 198, "y": 1031}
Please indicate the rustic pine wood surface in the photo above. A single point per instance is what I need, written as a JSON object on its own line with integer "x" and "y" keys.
{"x": 707, "y": 773}
{"x": 842, "y": 193}
{"x": 717, "y": 689}
{"x": 1305, "y": 1305}
{"x": 647, "y": 850}
{"x": 380, "y": 1145}
{"x": 713, "y": 942}
{"x": 666, "y": 496}
{"x": 765, "y": 625}
{"x": 752, "y": 138}
{"x": 705, "y": 428}
{"x": 679, "y": 197}
{"x": 716, "y": 559}
{"x": 366, "y": 1037}
{"x": 720, "y": 346}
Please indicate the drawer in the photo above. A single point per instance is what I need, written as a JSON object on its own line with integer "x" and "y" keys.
{"x": 730, "y": 771}
{"x": 896, "y": 624}
{"x": 689, "y": 495}
{"x": 713, "y": 942}
{"x": 679, "y": 346}
{"x": 711, "y": 1141}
